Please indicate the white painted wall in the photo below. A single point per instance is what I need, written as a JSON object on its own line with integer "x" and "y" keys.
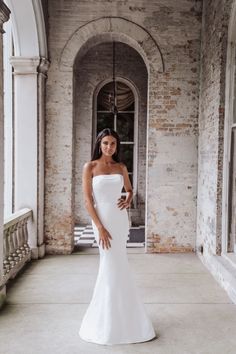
{"x": 8, "y": 128}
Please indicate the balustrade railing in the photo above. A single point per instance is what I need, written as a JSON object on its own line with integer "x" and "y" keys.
{"x": 16, "y": 250}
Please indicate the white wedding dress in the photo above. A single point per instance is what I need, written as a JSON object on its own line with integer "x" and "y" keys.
{"x": 116, "y": 314}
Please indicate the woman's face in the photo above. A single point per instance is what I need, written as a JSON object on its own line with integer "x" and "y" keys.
{"x": 108, "y": 145}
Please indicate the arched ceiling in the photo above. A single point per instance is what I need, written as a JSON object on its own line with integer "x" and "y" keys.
{"x": 28, "y": 26}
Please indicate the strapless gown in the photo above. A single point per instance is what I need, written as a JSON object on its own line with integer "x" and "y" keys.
{"x": 116, "y": 313}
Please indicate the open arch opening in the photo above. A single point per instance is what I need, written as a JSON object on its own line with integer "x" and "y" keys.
{"x": 79, "y": 131}
{"x": 29, "y": 63}
{"x": 92, "y": 81}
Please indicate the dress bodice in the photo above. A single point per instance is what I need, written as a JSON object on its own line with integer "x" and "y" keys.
{"x": 107, "y": 188}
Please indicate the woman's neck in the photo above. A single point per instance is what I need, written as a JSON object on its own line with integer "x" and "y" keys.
{"x": 107, "y": 160}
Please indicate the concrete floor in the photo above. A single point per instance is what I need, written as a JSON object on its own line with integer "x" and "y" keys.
{"x": 191, "y": 313}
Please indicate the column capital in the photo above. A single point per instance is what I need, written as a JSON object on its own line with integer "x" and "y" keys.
{"x": 43, "y": 66}
{"x": 25, "y": 65}
{"x": 4, "y": 14}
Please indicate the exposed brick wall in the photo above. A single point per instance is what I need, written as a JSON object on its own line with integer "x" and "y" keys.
{"x": 92, "y": 69}
{"x": 172, "y": 122}
{"x": 211, "y": 124}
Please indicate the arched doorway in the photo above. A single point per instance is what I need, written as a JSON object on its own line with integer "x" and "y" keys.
{"x": 92, "y": 86}
{"x": 61, "y": 141}
{"x": 25, "y": 158}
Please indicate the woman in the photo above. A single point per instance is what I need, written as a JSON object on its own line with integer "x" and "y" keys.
{"x": 116, "y": 313}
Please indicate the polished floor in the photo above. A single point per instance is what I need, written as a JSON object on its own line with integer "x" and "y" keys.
{"x": 84, "y": 237}
{"x": 191, "y": 313}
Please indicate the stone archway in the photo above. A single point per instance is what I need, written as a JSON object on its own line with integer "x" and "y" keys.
{"x": 29, "y": 36}
{"x": 89, "y": 77}
{"x": 108, "y": 29}
{"x": 30, "y": 67}
{"x": 59, "y": 208}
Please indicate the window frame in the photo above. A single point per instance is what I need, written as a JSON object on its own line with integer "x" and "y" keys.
{"x": 136, "y": 115}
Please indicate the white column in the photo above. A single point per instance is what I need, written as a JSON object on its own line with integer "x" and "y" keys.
{"x": 29, "y": 144}
{"x": 4, "y": 15}
{"x": 8, "y": 121}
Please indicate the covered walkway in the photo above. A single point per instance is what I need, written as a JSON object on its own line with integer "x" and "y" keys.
{"x": 45, "y": 303}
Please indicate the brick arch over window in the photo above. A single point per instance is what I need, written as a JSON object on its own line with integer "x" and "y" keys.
{"x": 108, "y": 29}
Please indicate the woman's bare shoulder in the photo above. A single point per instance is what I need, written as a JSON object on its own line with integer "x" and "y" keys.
{"x": 89, "y": 165}
{"x": 122, "y": 165}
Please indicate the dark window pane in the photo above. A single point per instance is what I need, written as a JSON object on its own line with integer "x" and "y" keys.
{"x": 130, "y": 108}
{"x": 104, "y": 120}
{"x": 131, "y": 178}
{"x": 126, "y": 155}
{"x": 105, "y": 97}
{"x": 125, "y": 126}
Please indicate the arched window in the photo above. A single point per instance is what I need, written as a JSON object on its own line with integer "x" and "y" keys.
{"x": 122, "y": 121}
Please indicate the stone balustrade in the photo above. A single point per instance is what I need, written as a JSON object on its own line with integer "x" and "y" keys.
{"x": 16, "y": 250}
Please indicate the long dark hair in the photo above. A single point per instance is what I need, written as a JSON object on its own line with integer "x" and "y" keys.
{"x": 97, "y": 153}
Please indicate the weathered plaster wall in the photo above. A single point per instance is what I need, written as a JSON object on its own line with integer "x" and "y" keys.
{"x": 172, "y": 122}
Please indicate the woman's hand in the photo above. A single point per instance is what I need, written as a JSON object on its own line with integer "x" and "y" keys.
{"x": 123, "y": 203}
{"x": 104, "y": 237}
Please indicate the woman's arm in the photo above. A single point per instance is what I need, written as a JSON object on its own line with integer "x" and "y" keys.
{"x": 128, "y": 188}
{"x": 87, "y": 191}
{"x": 104, "y": 235}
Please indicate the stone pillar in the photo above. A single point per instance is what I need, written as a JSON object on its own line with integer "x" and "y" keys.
{"x": 4, "y": 16}
{"x": 29, "y": 77}
{"x": 42, "y": 76}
